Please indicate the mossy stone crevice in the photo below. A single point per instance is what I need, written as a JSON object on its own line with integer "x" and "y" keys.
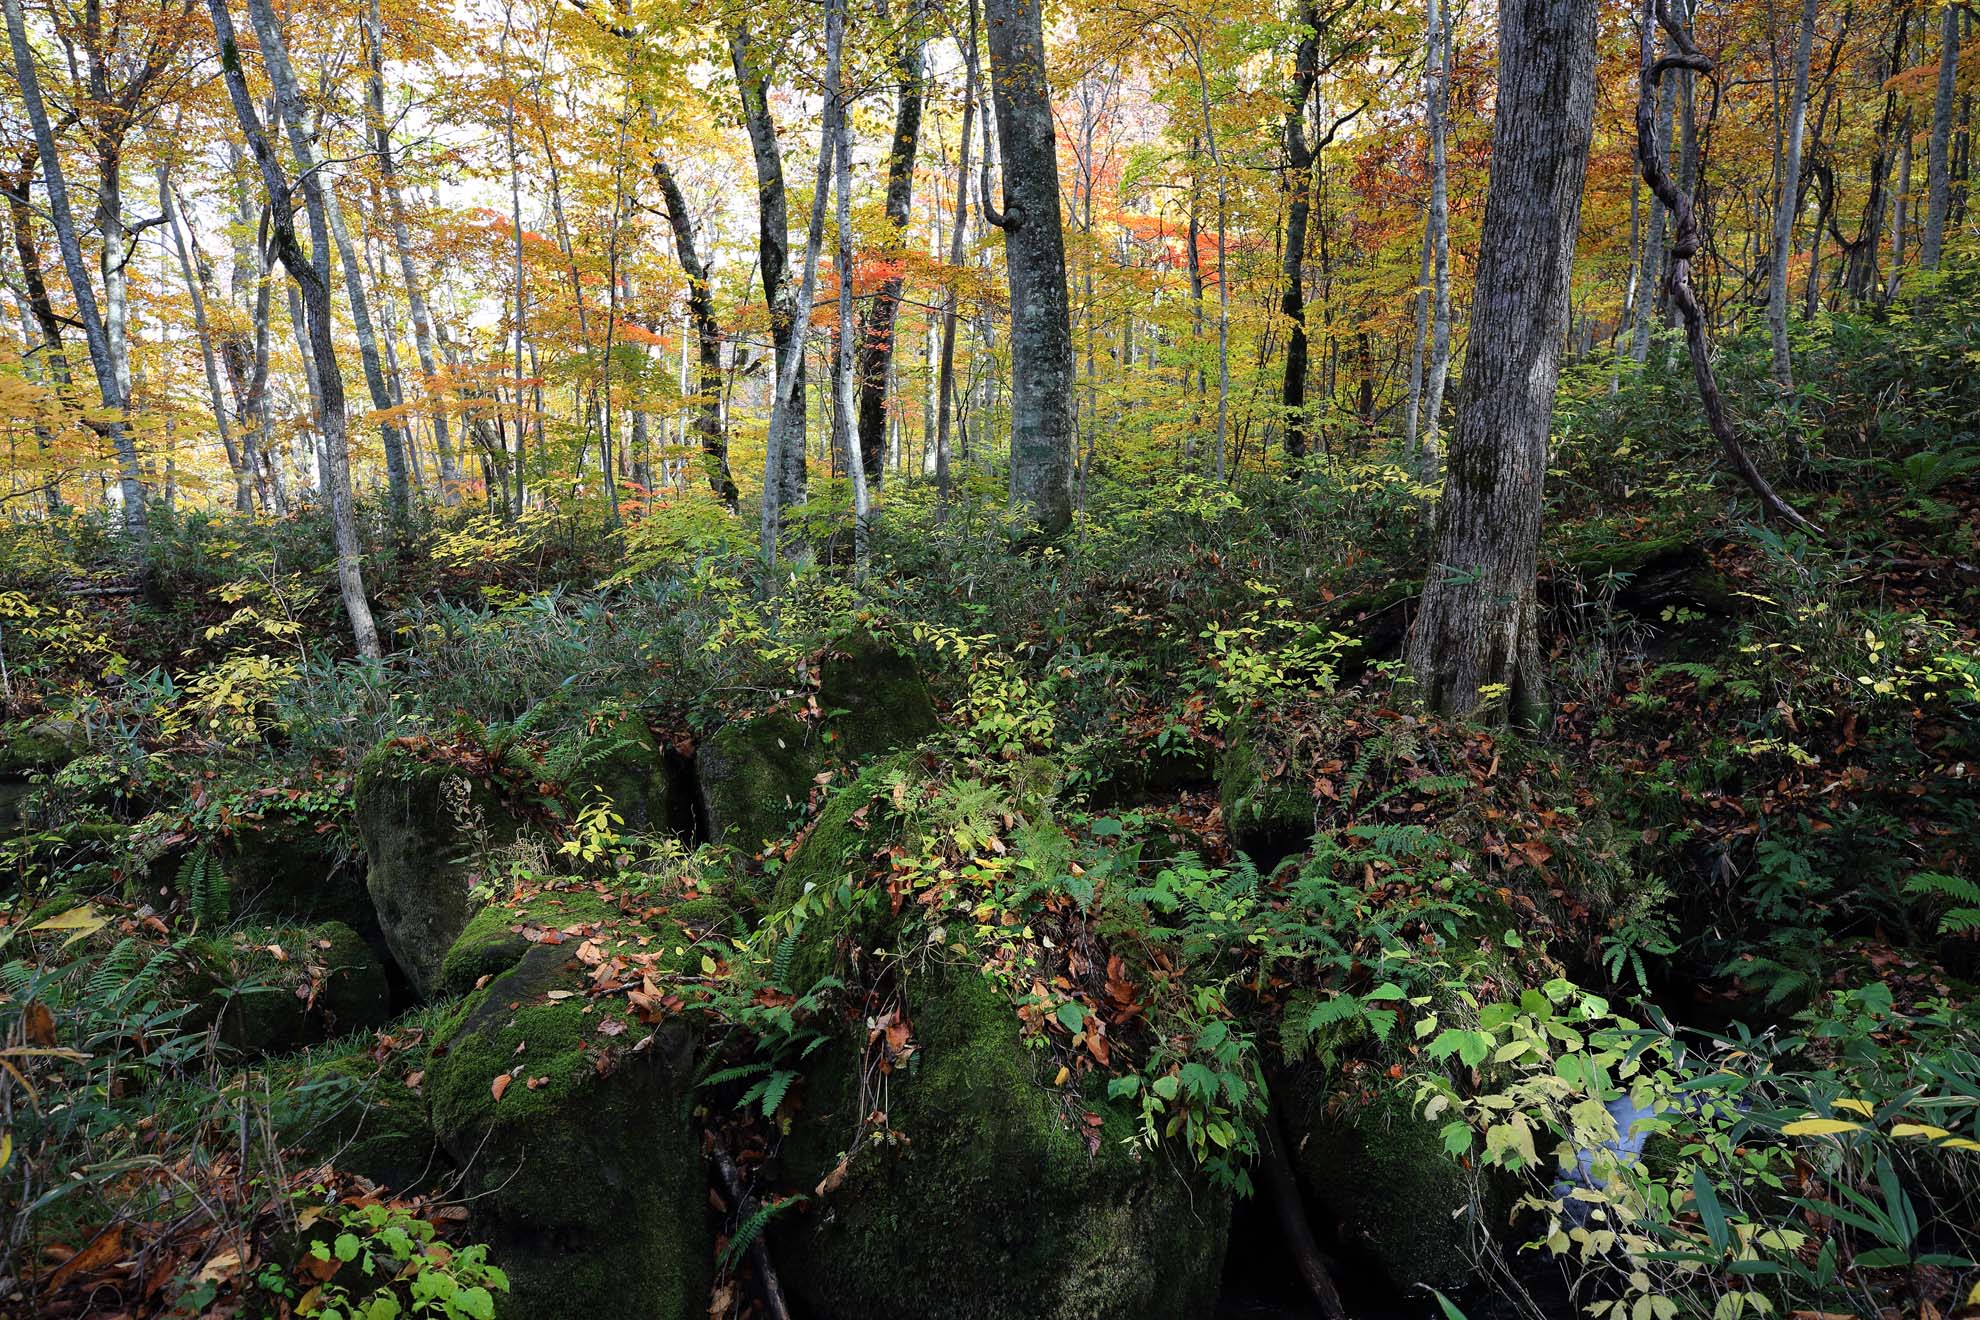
{"x": 1268, "y": 813}
{"x": 587, "y": 1184}
{"x": 1378, "y": 1173}
{"x": 874, "y": 695}
{"x": 755, "y": 776}
{"x": 1004, "y": 1203}
{"x": 274, "y": 990}
{"x": 421, "y": 840}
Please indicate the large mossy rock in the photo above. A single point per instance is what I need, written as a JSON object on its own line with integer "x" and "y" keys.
{"x": 29, "y": 750}
{"x": 360, "y": 1115}
{"x": 424, "y": 824}
{"x": 585, "y": 1171}
{"x": 646, "y": 782}
{"x": 289, "y": 868}
{"x": 755, "y": 776}
{"x": 274, "y": 990}
{"x": 1268, "y": 808}
{"x": 874, "y": 696}
{"x": 1378, "y": 1173}
{"x": 497, "y": 936}
{"x": 1002, "y": 1203}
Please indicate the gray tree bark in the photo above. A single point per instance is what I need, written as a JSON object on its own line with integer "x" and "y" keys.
{"x": 876, "y": 336}
{"x": 311, "y": 279}
{"x": 1477, "y": 630}
{"x": 1938, "y": 171}
{"x": 707, "y": 335}
{"x": 102, "y": 360}
{"x": 1035, "y": 254}
{"x": 844, "y": 432}
{"x": 1790, "y": 199}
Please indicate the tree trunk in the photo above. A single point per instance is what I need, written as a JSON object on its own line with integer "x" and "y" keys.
{"x": 1035, "y": 254}
{"x": 1297, "y": 179}
{"x": 946, "y": 374}
{"x": 783, "y": 446}
{"x": 1439, "y": 227}
{"x": 876, "y": 337}
{"x": 1477, "y": 628}
{"x": 109, "y": 382}
{"x": 1938, "y": 172}
{"x": 844, "y": 434}
{"x": 1653, "y": 245}
{"x": 1790, "y": 199}
{"x": 416, "y": 305}
{"x": 243, "y": 485}
{"x": 311, "y": 279}
{"x": 707, "y": 334}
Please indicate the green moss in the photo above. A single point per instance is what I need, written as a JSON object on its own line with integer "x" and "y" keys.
{"x": 45, "y": 746}
{"x": 755, "y": 776}
{"x": 423, "y": 843}
{"x": 492, "y": 942}
{"x": 855, "y": 821}
{"x": 625, "y": 762}
{"x": 356, "y": 1113}
{"x": 1267, "y": 814}
{"x": 588, "y": 1186}
{"x": 1002, "y": 1202}
{"x": 1379, "y": 1171}
{"x": 875, "y": 696}
{"x": 282, "y": 868}
{"x": 324, "y": 982}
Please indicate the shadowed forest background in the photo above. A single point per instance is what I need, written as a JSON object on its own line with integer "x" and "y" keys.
{"x": 935, "y": 658}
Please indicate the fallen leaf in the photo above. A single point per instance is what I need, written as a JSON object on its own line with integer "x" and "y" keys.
{"x": 40, "y": 1024}
{"x": 501, "y": 1084}
{"x": 102, "y": 1249}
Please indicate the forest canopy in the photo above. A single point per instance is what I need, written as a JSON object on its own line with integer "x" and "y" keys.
{"x": 986, "y": 658}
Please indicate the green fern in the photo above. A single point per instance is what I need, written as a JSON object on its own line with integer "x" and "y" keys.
{"x": 204, "y": 886}
{"x": 752, "y": 1228}
{"x": 1963, "y": 916}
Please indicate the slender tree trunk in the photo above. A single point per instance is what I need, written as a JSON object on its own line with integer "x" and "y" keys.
{"x": 783, "y": 447}
{"x": 790, "y": 385}
{"x": 1653, "y": 249}
{"x": 1938, "y": 172}
{"x": 845, "y": 436}
{"x": 1790, "y": 199}
{"x": 416, "y": 304}
{"x": 875, "y": 338}
{"x": 708, "y": 337}
{"x": 1035, "y": 254}
{"x": 1439, "y": 235}
{"x": 1478, "y": 627}
{"x": 243, "y": 485}
{"x": 109, "y": 380}
{"x": 1297, "y": 179}
{"x": 958, "y": 234}
{"x": 311, "y": 278}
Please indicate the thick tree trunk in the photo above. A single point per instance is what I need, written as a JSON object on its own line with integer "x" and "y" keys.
{"x": 1938, "y": 171}
{"x": 707, "y": 335}
{"x": 311, "y": 279}
{"x": 876, "y": 336}
{"x": 1478, "y": 626}
{"x": 1790, "y": 199}
{"x": 1035, "y": 254}
{"x": 109, "y": 381}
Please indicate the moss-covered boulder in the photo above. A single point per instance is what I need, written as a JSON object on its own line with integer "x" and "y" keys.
{"x": 1004, "y": 1201}
{"x": 873, "y": 695}
{"x": 361, "y": 1115}
{"x": 497, "y": 936}
{"x": 277, "y": 989}
{"x": 41, "y": 747}
{"x": 1268, "y": 806}
{"x": 646, "y": 782}
{"x": 754, "y": 777}
{"x": 428, "y": 830}
{"x": 1378, "y": 1174}
{"x": 585, "y": 1164}
{"x": 296, "y": 869}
